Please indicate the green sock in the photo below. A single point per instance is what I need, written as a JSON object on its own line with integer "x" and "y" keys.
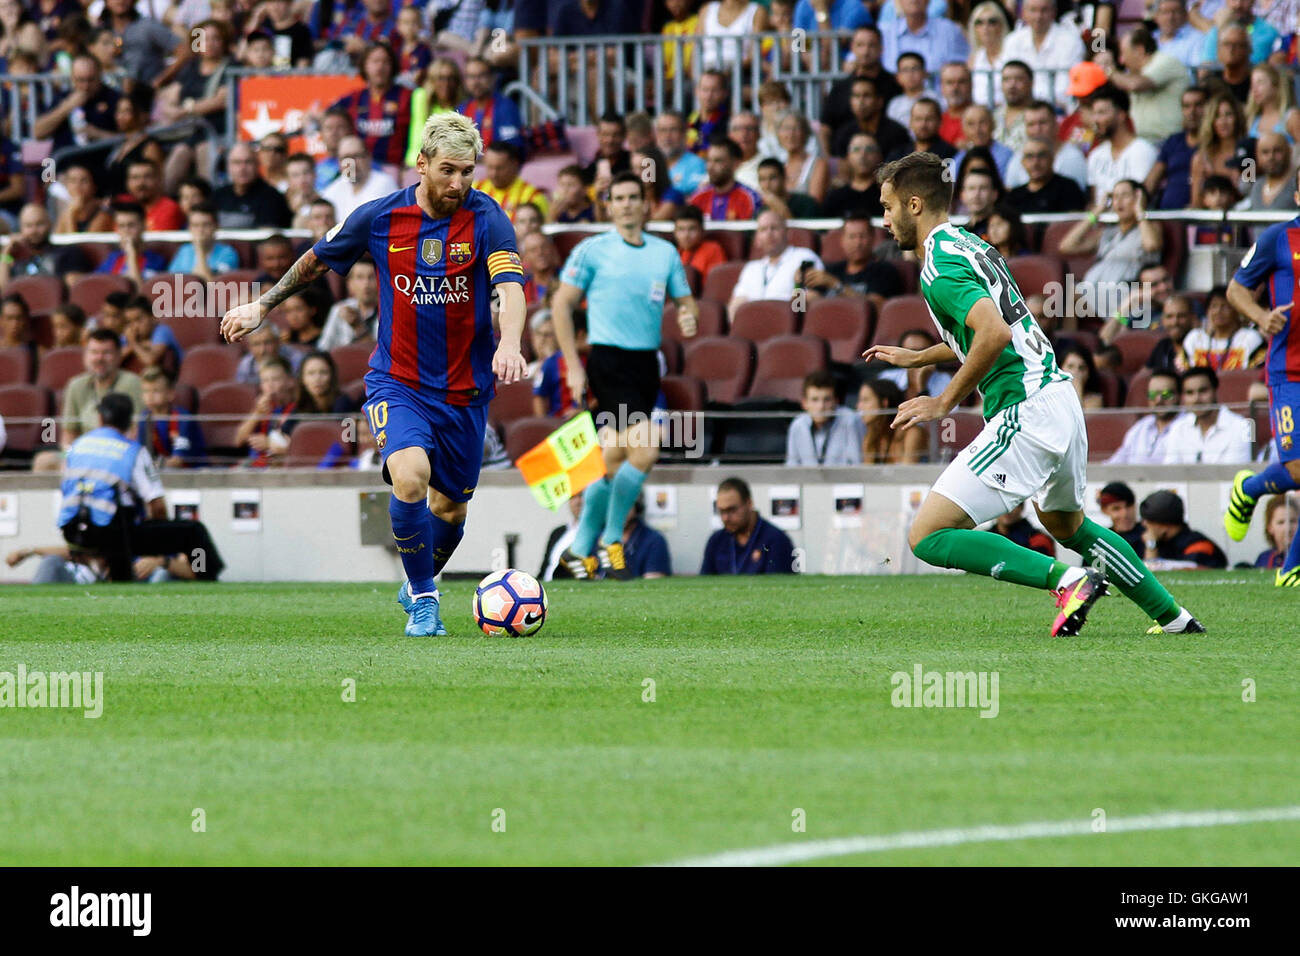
{"x": 983, "y": 552}
{"x": 1104, "y": 549}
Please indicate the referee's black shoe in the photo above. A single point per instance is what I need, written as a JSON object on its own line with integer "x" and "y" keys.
{"x": 582, "y": 568}
{"x": 613, "y": 562}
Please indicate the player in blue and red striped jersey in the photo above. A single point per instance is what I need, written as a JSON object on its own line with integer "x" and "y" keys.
{"x": 1272, "y": 259}
{"x": 381, "y": 112}
{"x": 441, "y": 251}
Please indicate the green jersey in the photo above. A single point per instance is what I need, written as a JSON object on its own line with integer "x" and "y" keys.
{"x": 959, "y": 270}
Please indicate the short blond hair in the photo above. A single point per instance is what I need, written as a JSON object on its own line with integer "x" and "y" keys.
{"x": 451, "y": 134}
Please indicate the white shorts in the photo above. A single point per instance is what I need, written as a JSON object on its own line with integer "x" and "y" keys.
{"x": 1037, "y": 448}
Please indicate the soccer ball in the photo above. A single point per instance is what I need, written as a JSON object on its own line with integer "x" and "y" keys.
{"x": 510, "y": 603}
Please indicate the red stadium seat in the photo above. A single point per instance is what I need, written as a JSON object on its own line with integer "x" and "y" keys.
{"x": 16, "y": 365}
{"x": 734, "y": 243}
{"x": 1052, "y": 236}
{"x": 352, "y": 361}
{"x": 909, "y": 271}
{"x": 1111, "y": 388}
{"x": 900, "y": 315}
{"x": 721, "y": 280}
{"x": 356, "y": 390}
{"x": 208, "y": 364}
{"x": 1234, "y": 385}
{"x": 1106, "y": 433}
{"x": 230, "y": 400}
{"x": 683, "y": 393}
{"x": 523, "y": 434}
{"x": 832, "y": 247}
{"x": 709, "y": 320}
{"x": 193, "y": 331}
{"x": 584, "y": 143}
{"x": 90, "y": 291}
{"x": 511, "y": 402}
{"x": 783, "y": 362}
{"x": 24, "y": 401}
{"x": 59, "y": 366}
{"x": 309, "y": 441}
{"x": 1135, "y": 346}
{"x": 1033, "y": 274}
{"x": 565, "y": 241}
{"x": 1175, "y": 246}
{"x": 1137, "y": 390}
{"x": 671, "y": 350}
{"x": 764, "y": 318}
{"x": 844, "y": 323}
{"x": 41, "y": 293}
{"x": 965, "y": 426}
{"x": 186, "y": 397}
{"x": 723, "y": 364}
{"x": 694, "y": 279}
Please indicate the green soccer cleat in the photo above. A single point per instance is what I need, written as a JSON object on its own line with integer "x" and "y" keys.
{"x": 1289, "y": 579}
{"x": 425, "y": 621}
{"x": 1076, "y": 600}
{"x": 1241, "y": 506}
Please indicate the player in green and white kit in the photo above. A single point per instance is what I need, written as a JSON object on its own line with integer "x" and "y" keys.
{"x": 1034, "y": 442}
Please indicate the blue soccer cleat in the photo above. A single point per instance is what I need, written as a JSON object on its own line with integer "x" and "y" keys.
{"x": 425, "y": 621}
{"x": 404, "y": 597}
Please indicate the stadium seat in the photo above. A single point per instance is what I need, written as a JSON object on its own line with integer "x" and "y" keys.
{"x": 734, "y": 243}
{"x": 832, "y": 246}
{"x": 309, "y": 441}
{"x": 721, "y": 280}
{"x": 230, "y": 400}
{"x": 783, "y": 362}
{"x": 1082, "y": 337}
{"x": 1135, "y": 346}
{"x": 951, "y": 440}
{"x": 524, "y": 434}
{"x": 584, "y": 143}
{"x": 352, "y": 361}
{"x": 1112, "y": 389}
{"x": 15, "y": 365}
{"x": 909, "y": 271}
{"x": 186, "y": 397}
{"x": 1052, "y": 236}
{"x": 41, "y": 293}
{"x": 544, "y": 171}
{"x": 356, "y": 390}
{"x": 58, "y": 366}
{"x": 1034, "y": 273}
{"x": 43, "y": 329}
{"x": 671, "y": 350}
{"x": 511, "y": 402}
{"x": 1106, "y": 433}
{"x": 565, "y": 241}
{"x": 683, "y": 393}
{"x": 722, "y": 363}
{"x": 193, "y": 331}
{"x": 844, "y": 323}
{"x": 695, "y": 280}
{"x": 1174, "y": 249}
{"x": 898, "y": 316}
{"x": 1136, "y": 396}
{"x": 1234, "y": 385}
{"x": 23, "y": 401}
{"x": 709, "y": 320}
{"x": 763, "y": 319}
{"x": 208, "y": 364}
{"x": 90, "y": 291}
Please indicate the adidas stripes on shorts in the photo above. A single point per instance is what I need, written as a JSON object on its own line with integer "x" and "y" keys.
{"x": 1036, "y": 449}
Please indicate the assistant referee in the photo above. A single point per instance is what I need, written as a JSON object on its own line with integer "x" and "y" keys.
{"x": 626, "y": 276}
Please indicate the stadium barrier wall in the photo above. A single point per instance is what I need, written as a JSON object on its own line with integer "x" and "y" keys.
{"x": 313, "y": 526}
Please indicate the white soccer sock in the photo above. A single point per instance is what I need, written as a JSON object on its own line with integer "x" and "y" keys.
{"x": 1070, "y": 577}
{"x": 1177, "y": 624}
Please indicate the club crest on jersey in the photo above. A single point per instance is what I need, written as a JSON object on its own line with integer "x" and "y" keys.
{"x": 459, "y": 252}
{"x": 1286, "y": 442}
{"x": 381, "y": 440}
{"x": 431, "y": 251}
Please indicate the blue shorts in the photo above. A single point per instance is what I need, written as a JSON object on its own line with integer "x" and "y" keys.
{"x": 452, "y": 435}
{"x": 1284, "y": 413}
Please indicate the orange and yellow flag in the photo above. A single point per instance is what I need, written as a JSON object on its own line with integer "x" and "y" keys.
{"x": 569, "y": 460}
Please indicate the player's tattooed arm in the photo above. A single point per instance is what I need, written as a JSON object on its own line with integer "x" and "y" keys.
{"x": 301, "y": 274}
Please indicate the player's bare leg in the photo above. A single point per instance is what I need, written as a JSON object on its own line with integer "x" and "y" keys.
{"x": 943, "y": 535}
{"x": 1247, "y": 488}
{"x": 1115, "y": 559}
{"x": 413, "y": 534}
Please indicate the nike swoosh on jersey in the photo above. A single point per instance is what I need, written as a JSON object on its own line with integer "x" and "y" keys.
{"x": 407, "y": 538}
{"x": 468, "y": 491}
{"x": 392, "y": 248}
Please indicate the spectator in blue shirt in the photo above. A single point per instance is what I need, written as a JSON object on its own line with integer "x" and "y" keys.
{"x": 823, "y": 16}
{"x": 216, "y": 258}
{"x": 170, "y": 434}
{"x": 747, "y": 543}
{"x": 1173, "y": 166}
{"x": 644, "y": 549}
{"x": 937, "y": 39}
{"x": 1261, "y": 33}
{"x": 148, "y": 343}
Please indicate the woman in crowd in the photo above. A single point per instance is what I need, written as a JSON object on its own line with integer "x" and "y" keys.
{"x": 1222, "y": 145}
{"x": 1007, "y": 233}
{"x": 199, "y": 92}
{"x": 304, "y": 318}
{"x": 68, "y": 323}
{"x": 1280, "y": 519}
{"x": 729, "y": 19}
{"x": 1087, "y": 382}
{"x": 1271, "y": 107}
{"x": 85, "y": 211}
{"x": 877, "y": 399}
{"x": 666, "y": 200}
{"x": 318, "y": 387}
{"x": 18, "y": 31}
{"x": 804, "y": 172}
{"x": 987, "y": 28}
{"x": 133, "y": 111}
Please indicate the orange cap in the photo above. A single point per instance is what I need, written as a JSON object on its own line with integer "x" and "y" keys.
{"x": 1085, "y": 78}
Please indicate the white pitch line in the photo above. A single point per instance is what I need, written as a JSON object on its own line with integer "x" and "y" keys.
{"x": 989, "y": 833}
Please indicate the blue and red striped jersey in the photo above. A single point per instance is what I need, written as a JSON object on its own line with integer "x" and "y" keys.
{"x": 435, "y": 288}
{"x": 383, "y": 123}
{"x": 1273, "y": 257}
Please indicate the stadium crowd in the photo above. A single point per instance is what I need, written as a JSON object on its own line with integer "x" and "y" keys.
{"x": 1043, "y": 107}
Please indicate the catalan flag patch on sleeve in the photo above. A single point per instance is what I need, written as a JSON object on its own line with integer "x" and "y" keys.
{"x": 501, "y": 263}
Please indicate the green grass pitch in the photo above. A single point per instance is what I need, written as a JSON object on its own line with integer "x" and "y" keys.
{"x": 770, "y": 696}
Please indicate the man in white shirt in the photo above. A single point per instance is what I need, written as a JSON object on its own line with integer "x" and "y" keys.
{"x": 1155, "y": 81}
{"x": 1040, "y": 124}
{"x": 775, "y": 273}
{"x": 356, "y": 317}
{"x": 1118, "y": 153}
{"x": 1048, "y": 47}
{"x": 1212, "y": 436}
{"x": 358, "y": 182}
{"x": 743, "y": 128}
{"x": 1146, "y": 442}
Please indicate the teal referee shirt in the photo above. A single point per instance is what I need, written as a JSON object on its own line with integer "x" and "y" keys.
{"x": 626, "y": 286}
